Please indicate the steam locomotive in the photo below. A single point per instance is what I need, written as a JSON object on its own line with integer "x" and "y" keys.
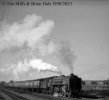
{"x": 63, "y": 85}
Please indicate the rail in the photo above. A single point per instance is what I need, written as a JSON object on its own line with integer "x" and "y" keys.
{"x": 13, "y": 95}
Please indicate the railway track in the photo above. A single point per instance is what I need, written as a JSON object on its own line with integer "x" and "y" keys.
{"x": 51, "y": 97}
{"x": 13, "y": 96}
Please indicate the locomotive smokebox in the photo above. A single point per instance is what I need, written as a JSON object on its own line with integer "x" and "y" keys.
{"x": 71, "y": 74}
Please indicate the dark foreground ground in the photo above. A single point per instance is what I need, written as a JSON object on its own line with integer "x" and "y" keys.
{"x": 102, "y": 93}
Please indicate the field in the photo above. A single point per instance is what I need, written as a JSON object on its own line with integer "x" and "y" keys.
{"x": 100, "y": 93}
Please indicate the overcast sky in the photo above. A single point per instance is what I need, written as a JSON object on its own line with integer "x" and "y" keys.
{"x": 84, "y": 25}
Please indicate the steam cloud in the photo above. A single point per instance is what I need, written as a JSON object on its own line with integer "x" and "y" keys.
{"x": 29, "y": 31}
{"x": 34, "y": 34}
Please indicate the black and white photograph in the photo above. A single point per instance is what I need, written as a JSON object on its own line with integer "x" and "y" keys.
{"x": 54, "y": 50}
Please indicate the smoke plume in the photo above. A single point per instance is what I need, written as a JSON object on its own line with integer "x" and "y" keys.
{"x": 35, "y": 64}
{"x": 31, "y": 39}
{"x": 66, "y": 55}
{"x": 29, "y": 31}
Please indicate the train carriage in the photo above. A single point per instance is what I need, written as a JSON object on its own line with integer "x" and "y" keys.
{"x": 32, "y": 85}
{"x": 36, "y": 85}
